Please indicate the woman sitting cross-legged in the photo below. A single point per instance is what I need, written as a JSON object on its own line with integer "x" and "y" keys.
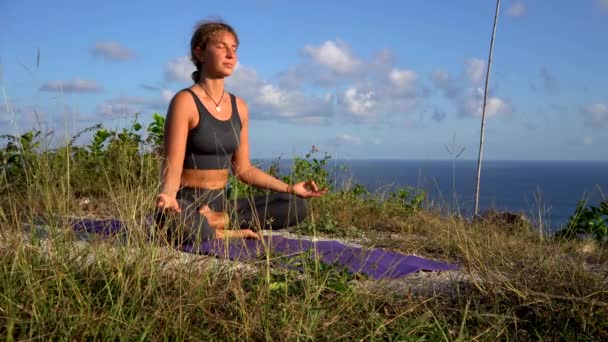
{"x": 206, "y": 134}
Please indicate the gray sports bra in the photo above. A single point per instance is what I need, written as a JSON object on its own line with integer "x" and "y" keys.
{"x": 212, "y": 142}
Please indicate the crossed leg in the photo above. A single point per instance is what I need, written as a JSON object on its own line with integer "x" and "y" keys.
{"x": 273, "y": 211}
{"x": 220, "y": 221}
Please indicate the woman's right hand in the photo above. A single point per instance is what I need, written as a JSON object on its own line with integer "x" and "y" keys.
{"x": 167, "y": 202}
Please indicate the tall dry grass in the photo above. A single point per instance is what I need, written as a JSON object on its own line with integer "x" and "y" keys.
{"x": 57, "y": 284}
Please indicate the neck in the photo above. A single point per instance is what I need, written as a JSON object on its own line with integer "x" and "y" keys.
{"x": 214, "y": 86}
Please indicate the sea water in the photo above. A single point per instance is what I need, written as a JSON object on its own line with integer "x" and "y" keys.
{"x": 546, "y": 192}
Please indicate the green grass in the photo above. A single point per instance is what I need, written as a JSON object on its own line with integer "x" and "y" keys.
{"x": 512, "y": 285}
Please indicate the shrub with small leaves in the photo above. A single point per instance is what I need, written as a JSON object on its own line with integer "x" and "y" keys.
{"x": 590, "y": 221}
{"x": 409, "y": 197}
{"x": 156, "y": 132}
{"x": 18, "y": 156}
{"x": 311, "y": 168}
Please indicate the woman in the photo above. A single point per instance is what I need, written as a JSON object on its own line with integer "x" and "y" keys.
{"x": 206, "y": 133}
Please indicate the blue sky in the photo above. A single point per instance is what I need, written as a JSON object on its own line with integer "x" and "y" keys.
{"x": 359, "y": 79}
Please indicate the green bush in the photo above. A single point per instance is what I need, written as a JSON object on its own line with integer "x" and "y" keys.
{"x": 20, "y": 154}
{"x": 130, "y": 158}
{"x": 409, "y": 197}
{"x": 590, "y": 221}
{"x": 113, "y": 158}
{"x": 302, "y": 169}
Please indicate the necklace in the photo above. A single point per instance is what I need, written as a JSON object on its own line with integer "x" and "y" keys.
{"x": 217, "y": 105}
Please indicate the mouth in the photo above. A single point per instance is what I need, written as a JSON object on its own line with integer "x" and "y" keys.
{"x": 229, "y": 65}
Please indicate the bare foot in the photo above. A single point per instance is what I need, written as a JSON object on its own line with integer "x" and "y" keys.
{"x": 217, "y": 219}
{"x": 241, "y": 233}
{"x": 250, "y": 234}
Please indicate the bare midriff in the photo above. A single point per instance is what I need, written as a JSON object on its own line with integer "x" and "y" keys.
{"x": 205, "y": 179}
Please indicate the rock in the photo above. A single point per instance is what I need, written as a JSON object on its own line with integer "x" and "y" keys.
{"x": 504, "y": 219}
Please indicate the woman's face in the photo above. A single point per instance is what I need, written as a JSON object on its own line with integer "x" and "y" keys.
{"x": 219, "y": 57}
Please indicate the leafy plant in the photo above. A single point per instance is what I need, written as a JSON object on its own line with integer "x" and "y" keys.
{"x": 302, "y": 169}
{"x": 311, "y": 168}
{"x": 359, "y": 190}
{"x": 156, "y": 131}
{"x": 99, "y": 139}
{"x": 19, "y": 155}
{"x": 409, "y": 197}
{"x": 587, "y": 221}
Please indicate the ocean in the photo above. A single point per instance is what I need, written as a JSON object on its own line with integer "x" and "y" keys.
{"x": 545, "y": 191}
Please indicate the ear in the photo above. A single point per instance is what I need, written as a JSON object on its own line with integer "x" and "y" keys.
{"x": 198, "y": 52}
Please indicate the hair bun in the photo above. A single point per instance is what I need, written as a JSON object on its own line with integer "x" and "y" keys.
{"x": 195, "y": 76}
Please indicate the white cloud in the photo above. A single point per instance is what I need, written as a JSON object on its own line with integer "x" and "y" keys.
{"x": 271, "y": 95}
{"x": 267, "y": 101}
{"x": 128, "y": 105}
{"x": 364, "y": 90}
{"x": 347, "y": 139}
{"x": 517, "y": 9}
{"x": 596, "y": 115}
{"x": 294, "y": 77}
{"x": 16, "y": 116}
{"x": 73, "y": 86}
{"x": 447, "y": 84}
{"x": 404, "y": 80}
{"x": 179, "y": 69}
{"x": 465, "y": 92}
{"x": 166, "y": 95}
{"x": 359, "y": 103}
{"x": 51, "y": 120}
{"x": 115, "y": 109}
{"x": 335, "y": 56}
{"x": 329, "y": 80}
{"x": 440, "y": 76}
{"x": 472, "y": 105}
{"x": 383, "y": 61}
{"x": 112, "y": 51}
{"x": 475, "y": 70}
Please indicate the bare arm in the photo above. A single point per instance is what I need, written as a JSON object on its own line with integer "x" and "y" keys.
{"x": 241, "y": 164}
{"x": 174, "y": 144}
{"x": 249, "y": 174}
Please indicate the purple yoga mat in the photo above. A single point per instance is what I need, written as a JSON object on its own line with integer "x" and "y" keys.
{"x": 376, "y": 263}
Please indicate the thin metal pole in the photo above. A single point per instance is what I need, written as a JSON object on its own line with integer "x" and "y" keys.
{"x": 483, "y": 112}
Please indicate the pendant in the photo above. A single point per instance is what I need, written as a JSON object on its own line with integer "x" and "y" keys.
{"x": 218, "y": 108}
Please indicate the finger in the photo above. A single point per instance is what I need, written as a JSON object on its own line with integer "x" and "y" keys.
{"x": 175, "y": 206}
{"x": 314, "y": 185}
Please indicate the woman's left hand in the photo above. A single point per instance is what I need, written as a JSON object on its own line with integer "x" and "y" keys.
{"x": 308, "y": 189}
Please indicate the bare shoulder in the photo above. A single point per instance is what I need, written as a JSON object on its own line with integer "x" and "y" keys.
{"x": 241, "y": 106}
{"x": 182, "y": 106}
{"x": 182, "y": 99}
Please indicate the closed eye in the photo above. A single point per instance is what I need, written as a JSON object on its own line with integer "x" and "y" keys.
{"x": 226, "y": 47}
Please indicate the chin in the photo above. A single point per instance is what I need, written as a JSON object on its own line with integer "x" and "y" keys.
{"x": 222, "y": 73}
